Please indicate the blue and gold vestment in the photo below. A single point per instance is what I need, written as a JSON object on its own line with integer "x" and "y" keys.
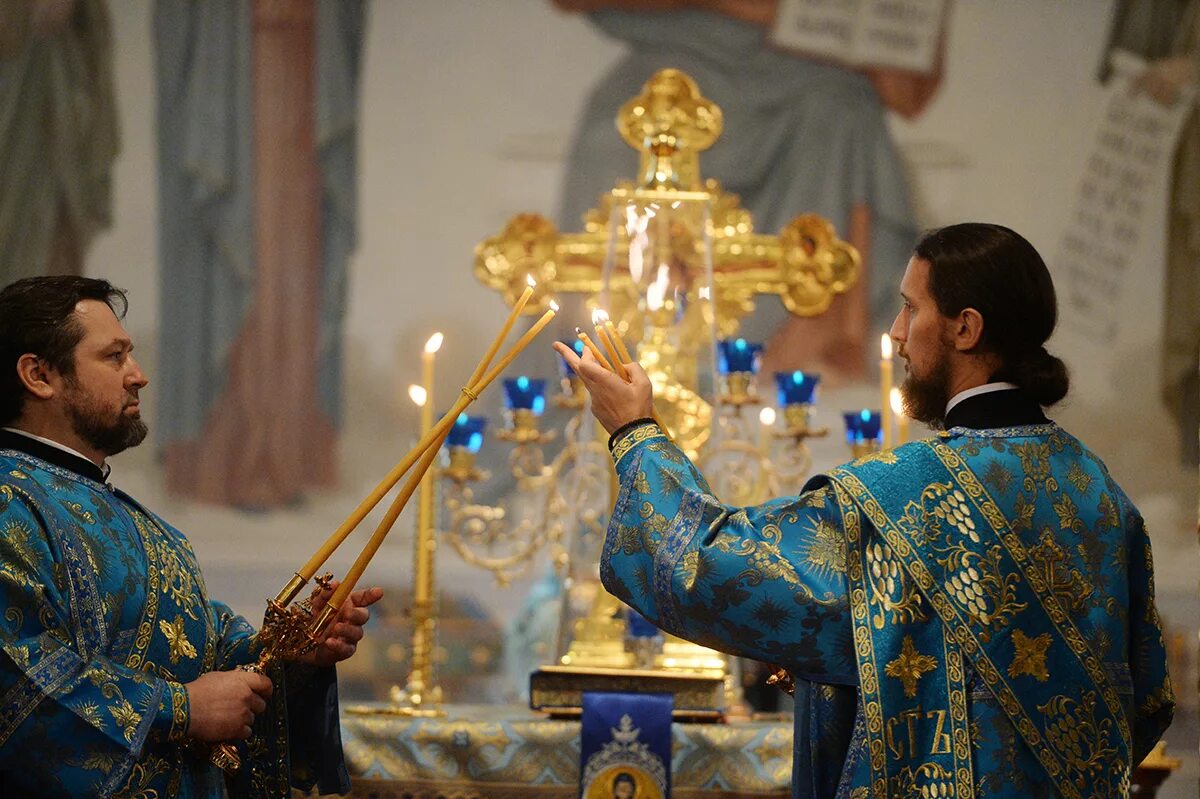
{"x": 984, "y": 598}
{"x": 105, "y": 617}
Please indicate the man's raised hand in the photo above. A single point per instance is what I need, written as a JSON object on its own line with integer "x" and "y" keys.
{"x": 614, "y": 402}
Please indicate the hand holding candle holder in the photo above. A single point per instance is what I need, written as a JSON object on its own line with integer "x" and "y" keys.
{"x": 286, "y": 634}
{"x": 864, "y": 431}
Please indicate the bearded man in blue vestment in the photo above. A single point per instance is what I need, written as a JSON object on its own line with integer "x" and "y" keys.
{"x": 968, "y": 615}
{"x": 118, "y": 671}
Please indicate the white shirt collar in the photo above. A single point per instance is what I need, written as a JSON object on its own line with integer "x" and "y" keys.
{"x": 986, "y": 388}
{"x": 105, "y": 468}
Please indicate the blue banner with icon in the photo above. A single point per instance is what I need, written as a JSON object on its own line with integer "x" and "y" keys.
{"x": 625, "y": 746}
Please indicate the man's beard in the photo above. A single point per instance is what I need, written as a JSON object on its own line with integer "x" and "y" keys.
{"x": 925, "y": 398}
{"x": 96, "y": 425}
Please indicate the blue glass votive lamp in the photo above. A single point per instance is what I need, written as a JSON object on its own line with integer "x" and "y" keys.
{"x": 464, "y": 440}
{"x": 736, "y": 355}
{"x": 797, "y": 394}
{"x": 525, "y": 394}
{"x": 467, "y": 433}
{"x": 524, "y": 402}
{"x": 571, "y": 395}
{"x": 864, "y": 431}
{"x": 737, "y": 364}
{"x": 642, "y": 639}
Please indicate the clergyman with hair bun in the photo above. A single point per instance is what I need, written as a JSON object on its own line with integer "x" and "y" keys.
{"x": 968, "y": 614}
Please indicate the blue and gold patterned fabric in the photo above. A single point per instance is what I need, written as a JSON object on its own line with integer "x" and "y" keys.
{"x": 988, "y": 593}
{"x": 105, "y": 617}
{"x": 511, "y": 752}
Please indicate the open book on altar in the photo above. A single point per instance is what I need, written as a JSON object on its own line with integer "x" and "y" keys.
{"x": 895, "y": 34}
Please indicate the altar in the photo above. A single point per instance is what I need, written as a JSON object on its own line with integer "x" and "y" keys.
{"x": 508, "y": 752}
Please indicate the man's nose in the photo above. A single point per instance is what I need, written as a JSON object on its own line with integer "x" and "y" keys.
{"x": 137, "y": 378}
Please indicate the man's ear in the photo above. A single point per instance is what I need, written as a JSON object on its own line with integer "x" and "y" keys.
{"x": 967, "y": 330}
{"x": 35, "y": 376}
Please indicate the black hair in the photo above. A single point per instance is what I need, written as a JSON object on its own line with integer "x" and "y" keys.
{"x": 37, "y": 316}
{"x": 997, "y": 272}
{"x": 624, "y": 776}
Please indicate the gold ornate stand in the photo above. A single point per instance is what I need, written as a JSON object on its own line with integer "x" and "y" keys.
{"x": 677, "y": 263}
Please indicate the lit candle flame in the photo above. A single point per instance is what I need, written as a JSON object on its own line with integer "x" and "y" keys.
{"x": 554, "y": 306}
{"x": 530, "y": 281}
{"x": 434, "y": 344}
{"x": 599, "y": 316}
{"x": 705, "y": 292}
{"x": 417, "y": 395}
{"x": 885, "y": 347}
{"x": 767, "y": 416}
{"x": 896, "y": 402}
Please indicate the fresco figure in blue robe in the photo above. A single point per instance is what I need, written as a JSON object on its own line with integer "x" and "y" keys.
{"x": 968, "y": 615}
{"x": 802, "y": 135}
{"x": 118, "y": 671}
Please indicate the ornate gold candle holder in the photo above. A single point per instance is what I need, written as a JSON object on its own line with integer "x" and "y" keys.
{"x": 738, "y": 389}
{"x": 523, "y": 428}
{"x": 288, "y": 631}
{"x": 797, "y": 422}
{"x": 461, "y": 468}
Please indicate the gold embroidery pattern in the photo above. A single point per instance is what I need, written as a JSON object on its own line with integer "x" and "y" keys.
{"x": 1072, "y": 729}
{"x": 634, "y": 437}
{"x": 864, "y": 647}
{"x": 1070, "y": 633}
{"x": 976, "y": 582}
{"x": 177, "y": 576}
{"x": 145, "y": 629}
{"x": 910, "y": 666}
{"x": 960, "y": 735}
{"x": 961, "y": 634}
{"x": 1029, "y": 656}
{"x": 1071, "y": 636}
{"x": 927, "y": 780}
{"x": 179, "y": 712}
{"x": 179, "y": 645}
{"x": 890, "y": 590}
{"x": 825, "y": 548}
{"x": 123, "y": 714}
{"x": 1052, "y": 562}
{"x": 885, "y": 456}
{"x": 1077, "y": 477}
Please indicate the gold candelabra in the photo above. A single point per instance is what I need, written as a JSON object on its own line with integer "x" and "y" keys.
{"x": 504, "y": 539}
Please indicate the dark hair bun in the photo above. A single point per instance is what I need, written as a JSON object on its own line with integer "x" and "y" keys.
{"x": 1043, "y": 376}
